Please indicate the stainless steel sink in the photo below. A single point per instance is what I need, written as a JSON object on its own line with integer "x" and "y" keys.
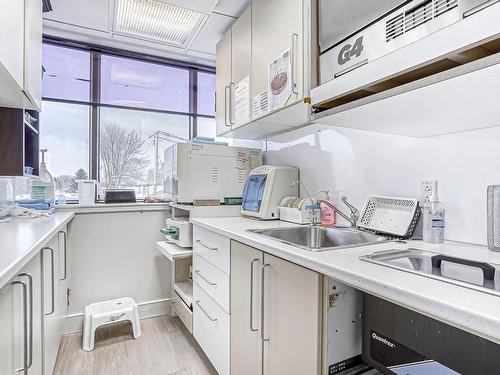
{"x": 316, "y": 238}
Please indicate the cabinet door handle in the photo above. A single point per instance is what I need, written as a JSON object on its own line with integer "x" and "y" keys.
{"x": 30, "y": 290}
{"x": 25, "y": 327}
{"x": 226, "y": 106}
{"x": 251, "y": 295}
{"x": 262, "y": 300}
{"x": 295, "y": 37}
{"x": 198, "y": 272}
{"x": 52, "y": 278}
{"x": 205, "y": 312}
{"x": 65, "y": 254}
{"x": 231, "y": 85}
{"x": 206, "y": 246}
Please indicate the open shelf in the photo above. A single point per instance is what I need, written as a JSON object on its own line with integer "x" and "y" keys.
{"x": 172, "y": 251}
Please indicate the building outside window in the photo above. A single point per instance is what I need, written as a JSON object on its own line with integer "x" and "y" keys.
{"x": 107, "y": 117}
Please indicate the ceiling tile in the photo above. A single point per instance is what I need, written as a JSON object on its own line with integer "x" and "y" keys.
{"x": 232, "y": 8}
{"x": 92, "y": 14}
{"x": 211, "y": 33}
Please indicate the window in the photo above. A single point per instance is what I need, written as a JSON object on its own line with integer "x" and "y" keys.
{"x": 110, "y": 117}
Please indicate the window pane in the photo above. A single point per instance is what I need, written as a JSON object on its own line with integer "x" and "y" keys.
{"x": 205, "y": 127}
{"x": 133, "y": 83}
{"x": 206, "y": 94}
{"x": 67, "y": 73}
{"x": 127, "y": 148}
{"x": 64, "y": 132}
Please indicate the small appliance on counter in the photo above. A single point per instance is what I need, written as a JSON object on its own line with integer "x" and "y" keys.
{"x": 119, "y": 196}
{"x": 494, "y": 217}
{"x": 87, "y": 191}
{"x": 265, "y": 188}
{"x": 179, "y": 231}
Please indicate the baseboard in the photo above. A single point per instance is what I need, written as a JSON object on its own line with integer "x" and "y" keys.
{"x": 150, "y": 309}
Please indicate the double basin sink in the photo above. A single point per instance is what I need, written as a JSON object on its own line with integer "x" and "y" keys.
{"x": 317, "y": 238}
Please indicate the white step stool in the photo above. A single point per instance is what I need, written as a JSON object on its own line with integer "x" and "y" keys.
{"x": 109, "y": 312}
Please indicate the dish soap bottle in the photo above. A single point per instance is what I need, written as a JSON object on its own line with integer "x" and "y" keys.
{"x": 327, "y": 214}
{"x": 43, "y": 187}
{"x": 434, "y": 221}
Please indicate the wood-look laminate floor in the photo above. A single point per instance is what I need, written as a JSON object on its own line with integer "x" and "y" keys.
{"x": 165, "y": 348}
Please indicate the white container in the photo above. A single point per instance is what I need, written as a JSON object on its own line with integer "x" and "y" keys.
{"x": 87, "y": 191}
{"x": 179, "y": 231}
{"x": 6, "y": 192}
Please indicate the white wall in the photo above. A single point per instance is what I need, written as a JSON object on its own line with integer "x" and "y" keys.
{"x": 361, "y": 163}
{"x": 113, "y": 255}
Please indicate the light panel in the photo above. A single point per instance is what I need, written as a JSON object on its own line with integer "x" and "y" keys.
{"x": 156, "y": 20}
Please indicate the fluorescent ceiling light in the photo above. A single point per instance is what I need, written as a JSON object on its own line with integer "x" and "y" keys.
{"x": 156, "y": 20}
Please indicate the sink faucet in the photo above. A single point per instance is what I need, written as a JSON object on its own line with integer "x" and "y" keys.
{"x": 352, "y": 218}
{"x": 315, "y": 220}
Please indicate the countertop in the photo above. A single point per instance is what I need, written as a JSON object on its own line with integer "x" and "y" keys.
{"x": 467, "y": 309}
{"x": 21, "y": 239}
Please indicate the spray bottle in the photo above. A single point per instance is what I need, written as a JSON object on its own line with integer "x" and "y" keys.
{"x": 43, "y": 187}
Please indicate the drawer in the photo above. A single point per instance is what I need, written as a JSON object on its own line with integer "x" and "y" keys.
{"x": 212, "y": 246}
{"x": 211, "y": 329}
{"x": 184, "y": 313}
{"x": 212, "y": 280}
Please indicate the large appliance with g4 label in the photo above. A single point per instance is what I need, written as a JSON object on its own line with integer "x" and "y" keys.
{"x": 264, "y": 189}
{"x": 356, "y": 32}
{"x": 207, "y": 171}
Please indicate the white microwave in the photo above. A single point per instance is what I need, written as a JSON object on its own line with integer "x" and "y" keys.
{"x": 264, "y": 189}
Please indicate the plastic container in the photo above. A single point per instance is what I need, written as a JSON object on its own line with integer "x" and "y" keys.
{"x": 6, "y": 192}
{"x": 434, "y": 221}
{"x": 43, "y": 187}
{"x": 327, "y": 214}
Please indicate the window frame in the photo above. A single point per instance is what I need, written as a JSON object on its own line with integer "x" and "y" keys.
{"x": 95, "y": 104}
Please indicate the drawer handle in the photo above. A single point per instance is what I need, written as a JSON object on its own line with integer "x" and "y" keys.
{"x": 251, "y": 295}
{"x": 205, "y": 312}
{"x": 204, "y": 278}
{"x": 206, "y": 246}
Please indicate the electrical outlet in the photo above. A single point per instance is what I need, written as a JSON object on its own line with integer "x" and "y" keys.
{"x": 427, "y": 189}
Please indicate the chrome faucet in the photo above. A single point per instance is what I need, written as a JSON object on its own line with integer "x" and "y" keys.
{"x": 315, "y": 215}
{"x": 352, "y": 218}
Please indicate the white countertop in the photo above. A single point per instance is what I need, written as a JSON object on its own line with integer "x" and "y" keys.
{"x": 467, "y": 309}
{"x": 21, "y": 239}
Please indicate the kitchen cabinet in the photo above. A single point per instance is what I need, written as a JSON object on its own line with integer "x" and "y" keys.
{"x": 21, "y": 54}
{"x": 223, "y": 83}
{"x": 21, "y": 328}
{"x": 275, "y": 315}
{"x": 54, "y": 256}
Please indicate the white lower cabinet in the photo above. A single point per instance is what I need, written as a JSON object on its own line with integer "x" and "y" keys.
{"x": 275, "y": 315}
{"x": 21, "y": 322}
{"x": 54, "y": 256}
{"x": 211, "y": 329}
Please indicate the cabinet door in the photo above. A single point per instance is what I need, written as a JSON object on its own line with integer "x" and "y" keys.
{"x": 52, "y": 314}
{"x": 10, "y": 331}
{"x": 292, "y": 312}
{"x": 276, "y": 26}
{"x": 33, "y": 52}
{"x": 223, "y": 83}
{"x": 246, "y": 344}
{"x": 12, "y": 38}
{"x": 241, "y": 56}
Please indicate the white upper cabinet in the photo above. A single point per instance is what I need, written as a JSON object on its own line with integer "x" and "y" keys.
{"x": 280, "y": 31}
{"x": 276, "y": 27}
{"x": 33, "y": 52}
{"x": 21, "y": 54}
{"x": 223, "y": 83}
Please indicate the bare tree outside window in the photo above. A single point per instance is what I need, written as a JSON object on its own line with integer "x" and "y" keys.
{"x": 122, "y": 157}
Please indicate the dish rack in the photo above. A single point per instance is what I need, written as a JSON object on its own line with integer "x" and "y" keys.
{"x": 390, "y": 215}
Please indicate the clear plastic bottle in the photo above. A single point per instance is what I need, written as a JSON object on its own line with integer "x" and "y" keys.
{"x": 327, "y": 214}
{"x": 434, "y": 221}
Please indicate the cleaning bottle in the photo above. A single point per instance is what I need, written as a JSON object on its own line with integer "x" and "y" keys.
{"x": 327, "y": 213}
{"x": 43, "y": 187}
{"x": 434, "y": 221}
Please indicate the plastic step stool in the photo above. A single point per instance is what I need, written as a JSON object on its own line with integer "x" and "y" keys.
{"x": 109, "y": 312}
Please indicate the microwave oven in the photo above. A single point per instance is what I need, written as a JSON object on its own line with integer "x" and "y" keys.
{"x": 264, "y": 189}
{"x": 193, "y": 171}
{"x": 356, "y": 32}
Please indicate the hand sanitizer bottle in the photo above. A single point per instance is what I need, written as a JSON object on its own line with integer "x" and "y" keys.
{"x": 434, "y": 221}
{"x": 327, "y": 213}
